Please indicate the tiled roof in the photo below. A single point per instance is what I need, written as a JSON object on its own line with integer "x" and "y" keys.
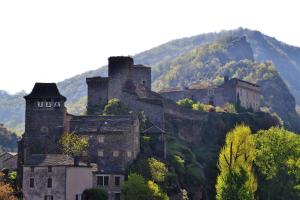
{"x": 153, "y": 130}
{"x": 101, "y": 124}
{"x": 45, "y": 90}
{"x": 50, "y": 160}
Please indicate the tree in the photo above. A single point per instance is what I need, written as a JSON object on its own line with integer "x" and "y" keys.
{"x": 115, "y": 107}
{"x": 236, "y": 179}
{"x": 156, "y": 192}
{"x": 278, "y": 163}
{"x": 187, "y": 103}
{"x": 6, "y": 191}
{"x": 95, "y": 194}
{"x": 73, "y": 144}
{"x": 158, "y": 170}
{"x": 198, "y": 106}
{"x": 229, "y": 108}
{"x": 136, "y": 188}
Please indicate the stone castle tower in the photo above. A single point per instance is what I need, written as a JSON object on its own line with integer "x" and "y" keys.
{"x": 44, "y": 119}
{"x": 121, "y": 69}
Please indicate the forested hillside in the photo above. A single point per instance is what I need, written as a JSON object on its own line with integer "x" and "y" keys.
{"x": 286, "y": 61}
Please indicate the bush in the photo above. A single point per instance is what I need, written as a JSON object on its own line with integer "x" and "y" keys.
{"x": 95, "y": 194}
{"x": 198, "y": 106}
{"x": 228, "y": 107}
{"x": 115, "y": 107}
{"x": 187, "y": 103}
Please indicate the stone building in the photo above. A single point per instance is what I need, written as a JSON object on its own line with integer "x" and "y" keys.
{"x": 8, "y": 160}
{"x": 233, "y": 91}
{"x": 55, "y": 176}
{"x": 114, "y": 141}
{"x": 129, "y": 83}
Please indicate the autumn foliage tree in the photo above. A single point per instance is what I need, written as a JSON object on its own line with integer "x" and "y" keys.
{"x": 73, "y": 144}
{"x": 6, "y": 190}
{"x": 236, "y": 180}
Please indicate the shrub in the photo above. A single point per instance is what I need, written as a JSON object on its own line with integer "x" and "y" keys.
{"x": 187, "y": 103}
{"x": 95, "y": 194}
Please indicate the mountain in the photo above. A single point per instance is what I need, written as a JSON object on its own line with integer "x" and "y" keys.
{"x": 285, "y": 59}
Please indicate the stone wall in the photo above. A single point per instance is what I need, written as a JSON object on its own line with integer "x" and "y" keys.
{"x": 97, "y": 94}
{"x": 40, "y": 189}
{"x": 112, "y": 188}
{"x": 113, "y": 140}
{"x": 141, "y": 75}
{"x": 44, "y": 126}
{"x": 118, "y": 73}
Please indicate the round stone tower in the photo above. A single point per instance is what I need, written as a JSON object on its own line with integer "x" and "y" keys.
{"x": 118, "y": 73}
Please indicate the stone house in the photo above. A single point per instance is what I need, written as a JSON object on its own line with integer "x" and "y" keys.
{"x": 8, "y": 160}
{"x": 55, "y": 177}
{"x": 231, "y": 91}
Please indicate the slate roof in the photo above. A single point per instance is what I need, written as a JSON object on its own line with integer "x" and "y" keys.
{"x": 153, "y": 130}
{"x": 101, "y": 124}
{"x": 50, "y": 160}
{"x": 45, "y": 90}
{"x": 10, "y": 153}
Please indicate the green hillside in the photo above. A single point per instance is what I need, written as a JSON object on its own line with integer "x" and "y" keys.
{"x": 286, "y": 60}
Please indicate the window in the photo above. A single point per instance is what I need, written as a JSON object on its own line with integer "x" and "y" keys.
{"x": 48, "y": 197}
{"x": 49, "y": 184}
{"x": 49, "y": 169}
{"x": 32, "y": 169}
{"x": 129, "y": 154}
{"x": 102, "y": 180}
{"x": 100, "y": 153}
{"x": 31, "y": 182}
{"x": 144, "y": 82}
{"x": 78, "y": 197}
{"x": 117, "y": 196}
{"x": 117, "y": 180}
{"x": 44, "y": 129}
{"x": 40, "y": 104}
{"x": 57, "y": 104}
{"x": 48, "y": 104}
{"x": 101, "y": 139}
{"x": 115, "y": 153}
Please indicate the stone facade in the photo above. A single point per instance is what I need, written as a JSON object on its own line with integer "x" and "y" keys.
{"x": 44, "y": 119}
{"x": 114, "y": 141}
{"x": 97, "y": 94}
{"x": 129, "y": 83}
{"x": 230, "y": 91}
{"x": 54, "y": 177}
{"x": 8, "y": 160}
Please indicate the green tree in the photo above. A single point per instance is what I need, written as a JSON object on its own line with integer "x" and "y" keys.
{"x": 95, "y": 194}
{"x": 73, "y": 144}
{"x": 236, "y": 179}
{"x": 156, "y": 192}
{"x": 187, "y": 103}
{"x": 136, "y": 188}
{"x": 158, "y": 170}
{"x": 278, "y": 163}
{"x": 229, "y": 108}
{"x": 198, "y": 106}
{"x": 115, "y": 107}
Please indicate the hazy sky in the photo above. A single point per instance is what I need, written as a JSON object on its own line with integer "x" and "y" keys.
{"x": 49, "y": 41}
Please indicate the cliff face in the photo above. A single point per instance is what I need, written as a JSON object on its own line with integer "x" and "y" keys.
{"x": 199, "y": 136}
{"x": 232, "y": 57}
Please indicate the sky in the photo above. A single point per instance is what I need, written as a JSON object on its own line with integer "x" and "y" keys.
{"x": 51, "y": 40}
